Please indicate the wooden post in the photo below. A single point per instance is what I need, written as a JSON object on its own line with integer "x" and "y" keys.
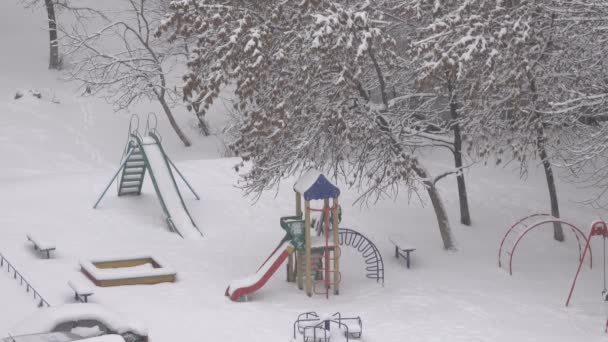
{"x": 289, "y": 268}
{"x": 335, "y": 223}
{"x": 298, "y": 204}
{"x": 307, "y": 257}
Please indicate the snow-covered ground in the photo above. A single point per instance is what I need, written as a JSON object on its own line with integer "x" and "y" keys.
{"x": 56, "y": 158}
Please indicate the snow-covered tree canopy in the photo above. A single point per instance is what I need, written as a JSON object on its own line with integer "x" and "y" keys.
{"x": 305, "y": 75}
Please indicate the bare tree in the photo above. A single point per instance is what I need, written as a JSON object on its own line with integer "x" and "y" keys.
{"x": 121, "y": 60}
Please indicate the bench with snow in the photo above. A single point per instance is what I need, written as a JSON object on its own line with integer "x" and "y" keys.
{"x": 402, "y": 248}
{"x": 81, "y": 291}
{"x": 41, "y": 245}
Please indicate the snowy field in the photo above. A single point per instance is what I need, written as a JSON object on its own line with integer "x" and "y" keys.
{"x": 56, "y": 159}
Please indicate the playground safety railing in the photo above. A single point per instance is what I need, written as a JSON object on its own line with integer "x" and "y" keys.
{"x": 22, "y": 281}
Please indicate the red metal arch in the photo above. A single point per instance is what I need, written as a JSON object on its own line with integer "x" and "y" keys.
{"x": 548, "y": 219}
{"x": 502, "y": 242}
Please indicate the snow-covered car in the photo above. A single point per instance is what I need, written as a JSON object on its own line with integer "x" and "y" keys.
{"x": 77, "y": 322}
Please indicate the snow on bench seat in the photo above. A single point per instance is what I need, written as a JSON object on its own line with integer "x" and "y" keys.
{"x": 401, "y": 242}
{"x": 402, "y": 246}
{"x": 41, "y": 245}
{"x": 105, "y": 338}
{"x": 81, "y": 290}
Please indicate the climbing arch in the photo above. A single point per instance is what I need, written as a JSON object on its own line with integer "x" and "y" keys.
{"x": 519, "y": 229}
{"x": 374, "y": 265}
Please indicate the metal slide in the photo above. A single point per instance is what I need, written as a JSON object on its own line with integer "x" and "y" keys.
{"x": 159, "y": 168}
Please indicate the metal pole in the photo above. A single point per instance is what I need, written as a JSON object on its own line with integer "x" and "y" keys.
{"x": 184, "y": 179}
{"x": 113, "y": 178}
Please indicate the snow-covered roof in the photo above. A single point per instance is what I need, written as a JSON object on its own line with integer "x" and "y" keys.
{"x": 46, "y": 319}
{"x": 313, "y": 185}
{"x": 105, "y": 338}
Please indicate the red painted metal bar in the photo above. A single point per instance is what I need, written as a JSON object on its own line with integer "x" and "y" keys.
{"x": 574, "y": 229}
{"x": 327, "y": 266}
{"x": 578, "y": 270}
{"x": 509, "y": 231}
{"x": 598, "y": 228}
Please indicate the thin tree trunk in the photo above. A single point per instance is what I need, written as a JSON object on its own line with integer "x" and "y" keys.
{"x": 202, "y": 124}
{"x": 442, "y": 216}
{"x": 54, "y": 62}
{"x": 173, "y": 123}
{"x": 558, "y": 232}
{"x": 465, "y": 216}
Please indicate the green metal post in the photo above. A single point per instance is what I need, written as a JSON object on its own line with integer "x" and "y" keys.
{"x": 184, "y": 179}
{"x": 113, "y": 178}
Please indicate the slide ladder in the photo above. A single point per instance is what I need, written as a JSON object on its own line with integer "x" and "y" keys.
{"x": 133, "y": 173}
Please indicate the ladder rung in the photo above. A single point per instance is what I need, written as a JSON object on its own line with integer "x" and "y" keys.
{"x": 133, "y": 170}
{"x": 128, "y": 184}
{"x": 128, "y": 192}
{"x": 134, "y": 163}
{"x": 134, "y": 176}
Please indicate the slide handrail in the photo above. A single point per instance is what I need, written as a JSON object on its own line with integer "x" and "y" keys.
{"x": 153, "y": 178}
{"x": 157, "y": 140}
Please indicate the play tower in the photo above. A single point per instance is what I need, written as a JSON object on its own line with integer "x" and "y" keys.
{"x": 320, "y": 257}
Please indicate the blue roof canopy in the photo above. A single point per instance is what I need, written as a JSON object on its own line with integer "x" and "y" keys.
{"x": 313, "y": 185}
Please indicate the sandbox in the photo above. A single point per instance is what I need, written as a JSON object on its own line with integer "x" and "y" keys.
{"x": 127, "y": 271}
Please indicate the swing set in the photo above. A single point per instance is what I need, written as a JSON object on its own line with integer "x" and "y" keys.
{"x": 598, "y": 228}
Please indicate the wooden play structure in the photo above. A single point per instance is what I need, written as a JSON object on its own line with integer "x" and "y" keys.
{"x": 312, "y": 247}
{"x": 127, "y": 271}
{"x": 320, "y": 257}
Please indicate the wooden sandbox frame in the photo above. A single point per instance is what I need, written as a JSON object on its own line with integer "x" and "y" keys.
{"x": 115, "y": 272}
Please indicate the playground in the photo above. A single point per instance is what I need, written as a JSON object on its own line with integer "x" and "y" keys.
{"x": 430, "y": 296}
{"x": 176, "y": 247}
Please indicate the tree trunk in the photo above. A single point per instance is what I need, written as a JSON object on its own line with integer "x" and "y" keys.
{"x": 202, "y": 124}
{"x": 54, "y": 62}
{"x": 465, "y": 216}
{"x": 558, "y": 232}
{"x": 173, "y": 123}
{"x": 442, "y": 216}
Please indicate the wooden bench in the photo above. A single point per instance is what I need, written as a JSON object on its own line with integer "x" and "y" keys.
{"x": 41, "y": 245}
{"x": 81, "y": 291}
{"x": 402, "y": 248}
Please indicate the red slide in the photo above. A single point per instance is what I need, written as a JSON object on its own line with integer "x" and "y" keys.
{"x": 254, "y": 282}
